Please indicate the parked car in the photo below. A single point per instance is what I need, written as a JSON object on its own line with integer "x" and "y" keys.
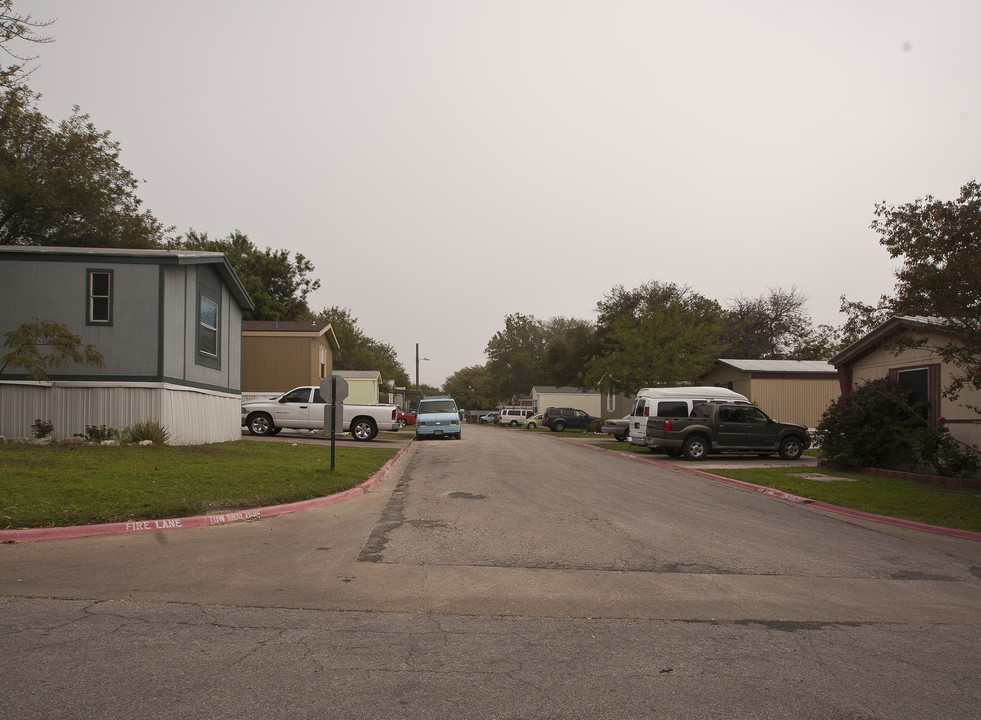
{"x": 514, "y": 416}
{"x": 438, "y": 416}
{"x": 490, "y": 418}
{"x": 727, "y": 427}
{"x": 617, "y": 427}
{"x": 303, "y": 408}
{"x": 558, "y": 419}
{"x": 405, "y": 418}
{"x": 671, "y": 402}
{"x": 534, "y": 421}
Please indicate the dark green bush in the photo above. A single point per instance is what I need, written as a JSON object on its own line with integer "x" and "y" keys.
{"x": 98, "y": 433}
{"x": 877, "y": 425}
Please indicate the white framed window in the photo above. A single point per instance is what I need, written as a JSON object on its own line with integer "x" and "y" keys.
{"x": 208, "y": 330}
{"x": 99, "y": 297}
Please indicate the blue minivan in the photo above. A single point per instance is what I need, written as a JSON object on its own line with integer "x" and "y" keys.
{"x": 437, "y": 416}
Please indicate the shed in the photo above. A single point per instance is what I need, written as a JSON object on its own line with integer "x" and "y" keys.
{"x": 795, "y": 391}
{"x": 363, "y": 386}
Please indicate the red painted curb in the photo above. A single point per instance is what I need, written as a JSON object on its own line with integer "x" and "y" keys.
{"x": 64, "y": 533}
{"x": 899, "y": 522}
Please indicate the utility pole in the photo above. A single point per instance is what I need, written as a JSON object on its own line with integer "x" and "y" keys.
{"x": 417, "y": 367}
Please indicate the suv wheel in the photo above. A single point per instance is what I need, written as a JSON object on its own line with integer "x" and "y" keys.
{"x": 791, "y": 448}
{"x": 558, "y": 426}
{"x": 695, "y": 448}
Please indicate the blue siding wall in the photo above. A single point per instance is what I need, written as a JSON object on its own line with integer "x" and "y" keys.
{"x": 57, "y": 291}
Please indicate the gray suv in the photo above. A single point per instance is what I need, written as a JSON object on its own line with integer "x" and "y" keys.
{"x": 558, "y": 419}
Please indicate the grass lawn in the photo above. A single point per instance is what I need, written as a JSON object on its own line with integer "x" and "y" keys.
{"x": 891, "y": 497}
{"x": 62, "y": 485}
{"x": 870, "y": 493}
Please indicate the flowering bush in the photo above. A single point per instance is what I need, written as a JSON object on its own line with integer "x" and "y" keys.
{"x": 42, "y": 428}
{"x": 876, "y": 425}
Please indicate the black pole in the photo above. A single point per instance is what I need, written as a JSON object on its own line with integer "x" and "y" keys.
{"x": 333, "y": 417}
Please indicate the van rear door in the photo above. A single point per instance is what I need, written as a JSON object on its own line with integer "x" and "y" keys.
{"x": 637, "y": 430}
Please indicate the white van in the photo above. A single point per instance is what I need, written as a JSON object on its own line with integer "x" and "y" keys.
{"x": 514, "y": 416}
{"x": 671, "y": 402}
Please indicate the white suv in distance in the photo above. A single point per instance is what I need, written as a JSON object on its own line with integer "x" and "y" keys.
{"x": 514, "y": 416}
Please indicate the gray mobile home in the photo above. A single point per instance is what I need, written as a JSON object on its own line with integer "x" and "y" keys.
{"x": 168, "y": 324}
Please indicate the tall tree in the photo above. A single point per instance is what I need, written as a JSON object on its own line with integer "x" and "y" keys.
{"x": 570, "y": 345}
{"x": 773, "y": 326}
{"x": 277, "y": 283}
{"x": 360, "y": 352}
{"x": 939, "y": 243}
{"x": 862, "y": 318}
{"x": 516, "y": 355}
{"x": 472, "y": 388}
{"x": 656, "y": 334}
{"x": 65, "y": 185}
{"x": 16, "y": 27}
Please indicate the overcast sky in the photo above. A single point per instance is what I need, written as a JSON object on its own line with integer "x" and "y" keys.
{"x": 444, "y": 163}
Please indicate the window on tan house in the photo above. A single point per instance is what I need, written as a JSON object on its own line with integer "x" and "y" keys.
{"x": 923, "y": 384}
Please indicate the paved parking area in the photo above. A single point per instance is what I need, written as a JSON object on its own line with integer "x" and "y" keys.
{"x": 728, "y": 461}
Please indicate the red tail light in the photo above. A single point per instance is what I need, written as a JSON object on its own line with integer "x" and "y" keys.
{"x": 667, "y": 425}
{"x": 395, "y": 412}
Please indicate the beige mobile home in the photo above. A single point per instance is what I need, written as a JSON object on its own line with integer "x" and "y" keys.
{"x": 278, "y": 356}
{"x": 920, "y": 369}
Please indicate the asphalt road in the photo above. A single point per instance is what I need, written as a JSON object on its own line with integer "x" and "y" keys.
{"x": 507, "y": 575}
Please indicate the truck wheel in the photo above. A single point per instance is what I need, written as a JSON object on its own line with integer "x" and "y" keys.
{"x": 695, "y": 448}
{"x": 619, "y": 438}
{"x": 260, "y": 424}
{"x": 363, "y": 429}
{"x": 558, "y": 426}
{"x": 791, "y": 448}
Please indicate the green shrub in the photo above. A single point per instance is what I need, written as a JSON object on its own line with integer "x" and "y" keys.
{"x": 877, "y": 425}
{"x": 98, "y": 433}
{"x": 148, "y": 430}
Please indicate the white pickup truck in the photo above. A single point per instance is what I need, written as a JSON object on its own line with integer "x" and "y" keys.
{"x": 303, "y": 407}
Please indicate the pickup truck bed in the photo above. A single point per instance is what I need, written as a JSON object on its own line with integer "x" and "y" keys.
{"x": 726, "y": 427}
